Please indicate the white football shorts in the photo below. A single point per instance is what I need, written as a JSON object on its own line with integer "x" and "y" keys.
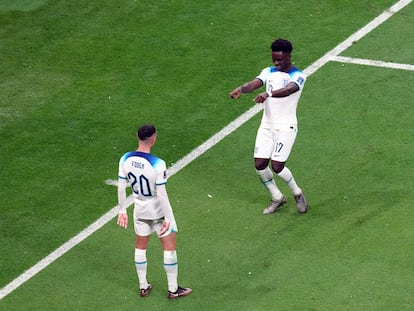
{"x": 275, "y": 144}
{"x": 145, "y": 227}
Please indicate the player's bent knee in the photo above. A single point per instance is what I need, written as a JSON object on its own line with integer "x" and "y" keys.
{"x": 278, "y": 166}
{"x": 261, "y": 164}
{"x": 169, "y": 243}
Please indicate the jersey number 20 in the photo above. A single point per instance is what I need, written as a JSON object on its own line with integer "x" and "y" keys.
{"x": 140, "y": 185}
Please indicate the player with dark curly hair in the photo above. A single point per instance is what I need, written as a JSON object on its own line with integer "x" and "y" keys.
{"x": 278, "y": 129}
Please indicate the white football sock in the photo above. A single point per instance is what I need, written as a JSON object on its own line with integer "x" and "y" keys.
{"x": 287, "y": 176}
{"x": 141, "y": 266}
{"x": 266, "y": 176}
{"x": 171, "y": 269}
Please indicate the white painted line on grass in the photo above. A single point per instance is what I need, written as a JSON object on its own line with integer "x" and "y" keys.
{"x": 194, "y": 154}
{"x": 357, "y": 36}
{"x": 179, "y": 165}
{"x": 371, "y": 62}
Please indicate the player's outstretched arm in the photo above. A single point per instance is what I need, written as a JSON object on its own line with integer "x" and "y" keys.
{"x": 246, "y": 88}
{"x": 235, "y": 94}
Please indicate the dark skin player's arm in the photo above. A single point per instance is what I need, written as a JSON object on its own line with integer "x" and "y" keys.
{"x": 246, "y": 88}
{"x": 283, "y": 92}
{"x": 257, "y": 83}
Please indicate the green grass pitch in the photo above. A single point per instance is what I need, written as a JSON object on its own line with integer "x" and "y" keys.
{"x": 78, "y": 77}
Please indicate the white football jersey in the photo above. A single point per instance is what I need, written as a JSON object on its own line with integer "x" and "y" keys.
{"x": 281, "y": 111}
{"x": 144, "y": 171}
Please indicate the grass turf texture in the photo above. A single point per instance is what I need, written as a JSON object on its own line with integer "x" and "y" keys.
{"x": 78, "y": 78}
